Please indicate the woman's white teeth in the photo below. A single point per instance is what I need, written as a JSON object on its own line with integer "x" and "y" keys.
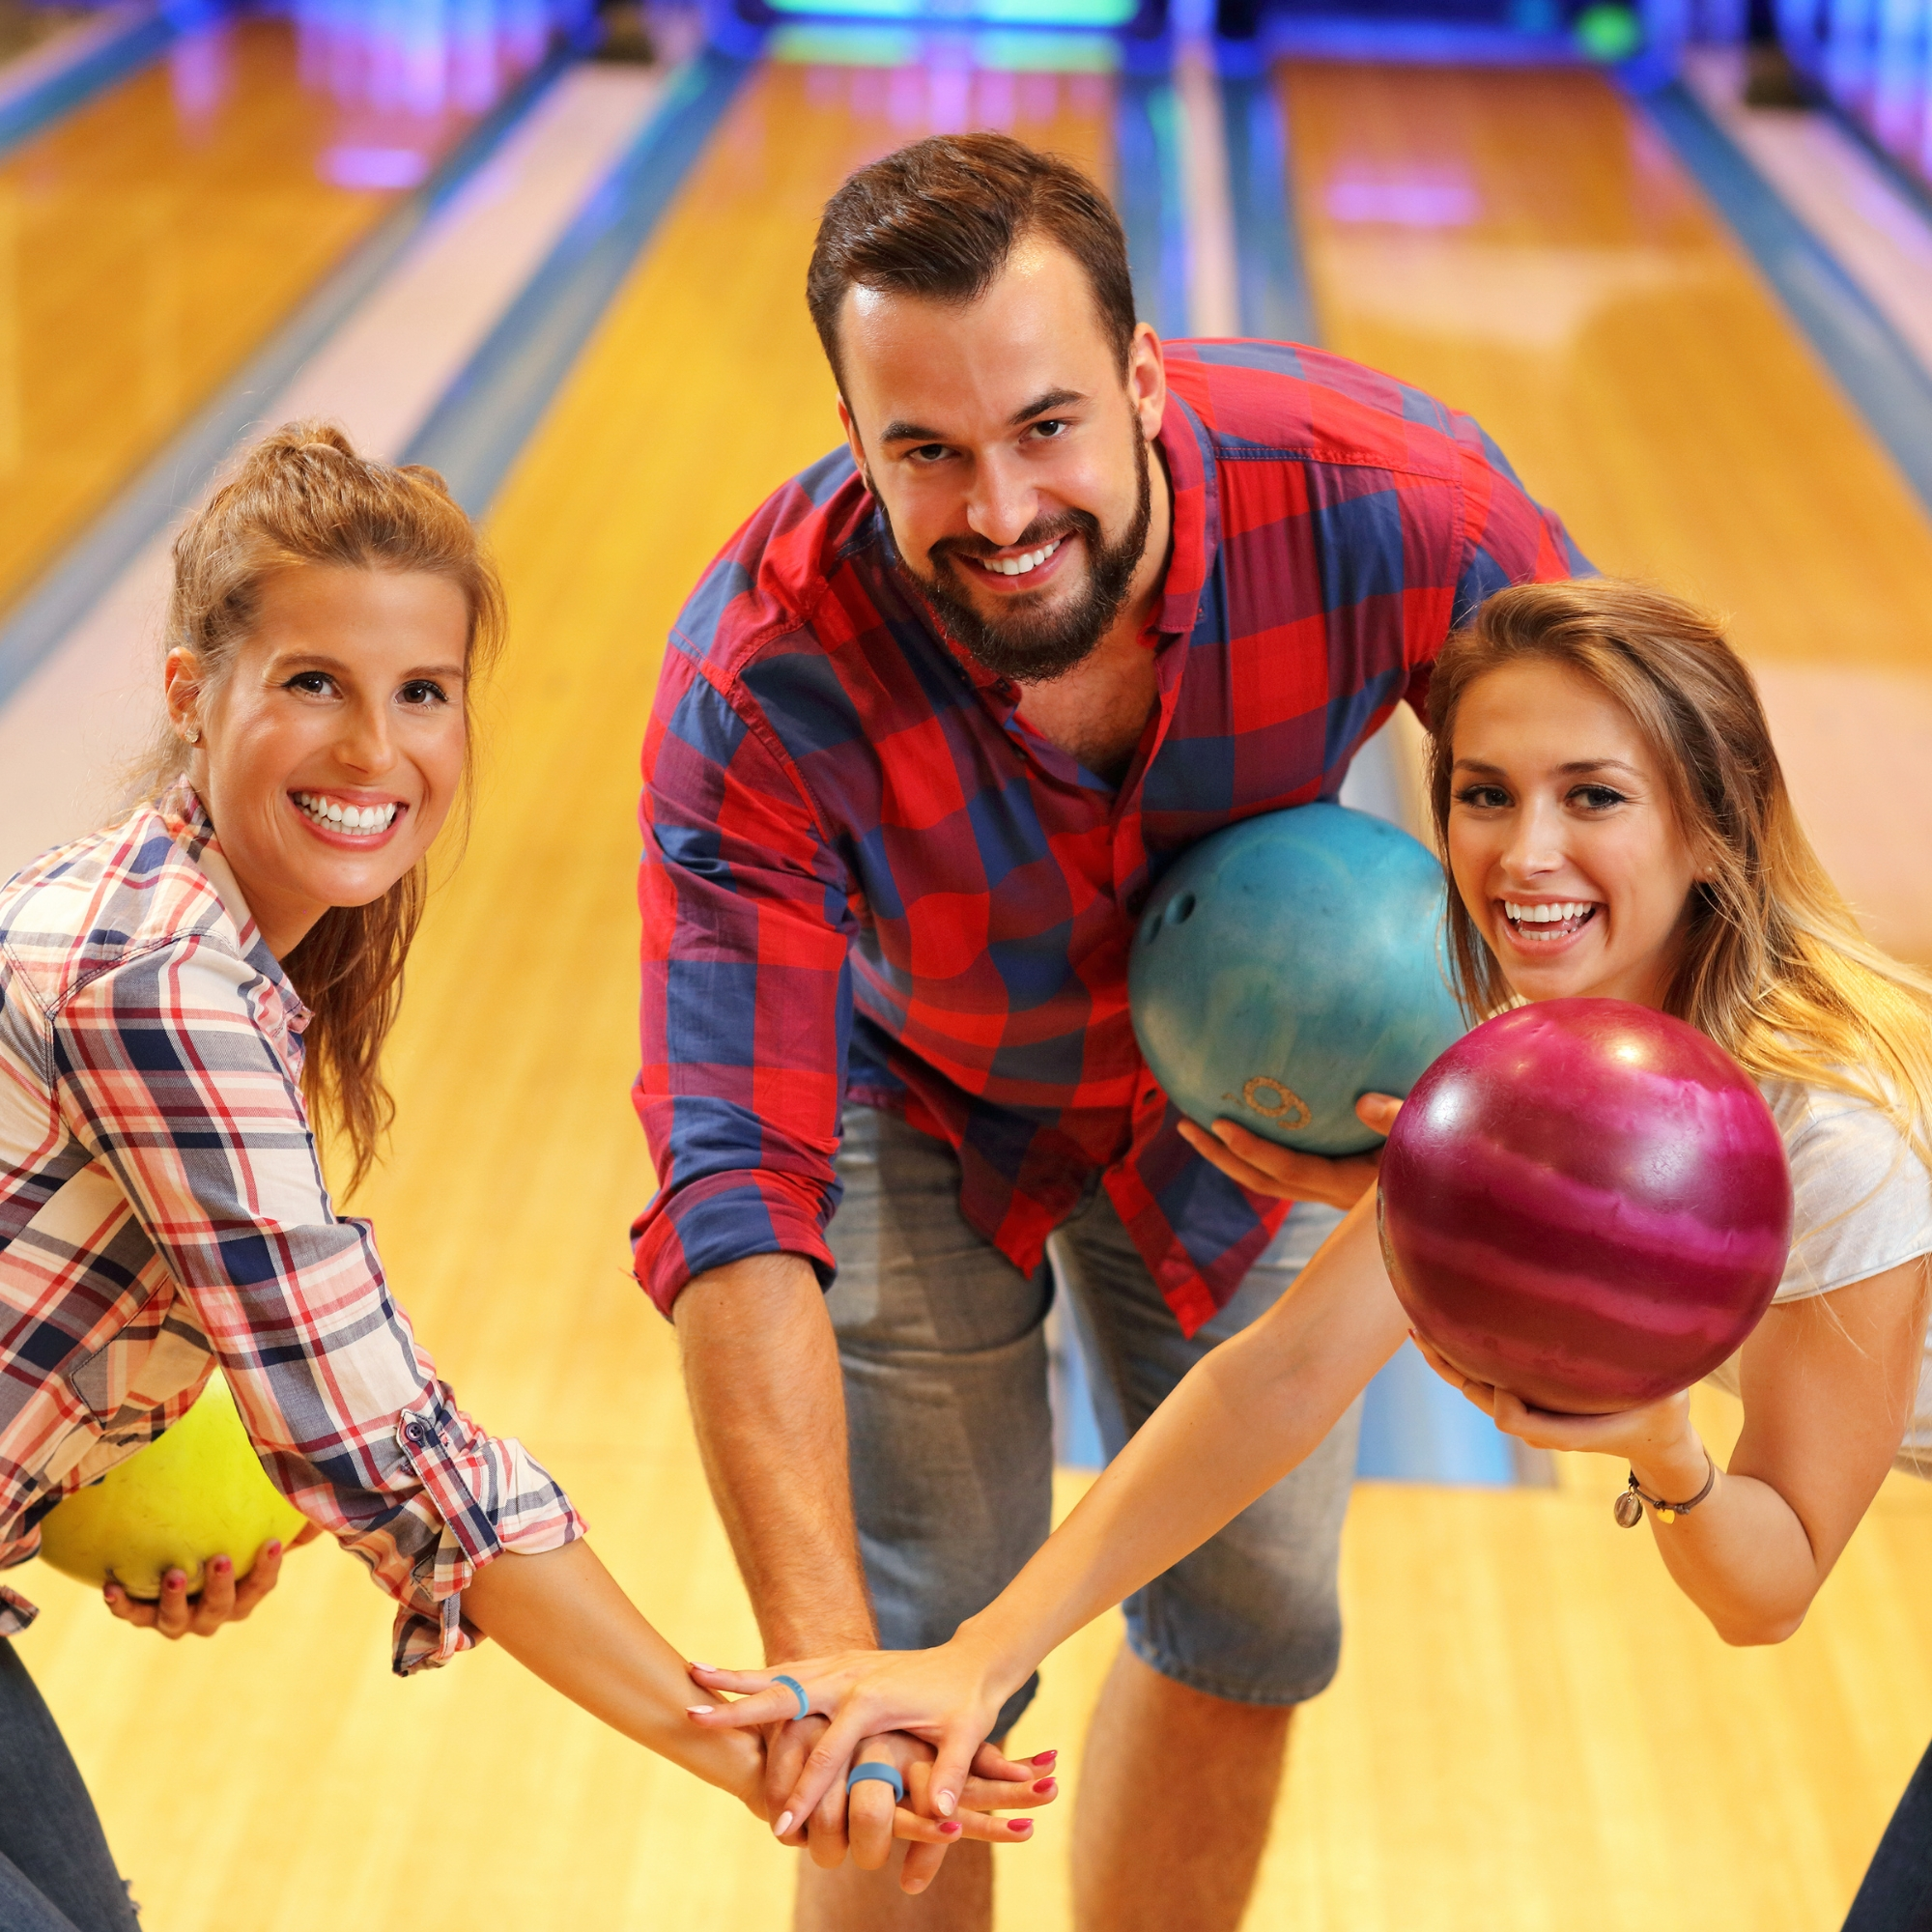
{"x": 340, "y": 817}
{"x": 1018, "y": 566}
{"x": 1546, "y": 915}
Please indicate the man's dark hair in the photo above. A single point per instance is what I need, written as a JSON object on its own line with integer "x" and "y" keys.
{"x": 940, "y": 219}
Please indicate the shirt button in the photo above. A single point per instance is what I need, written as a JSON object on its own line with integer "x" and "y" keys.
{"x": 412, "y": 1430}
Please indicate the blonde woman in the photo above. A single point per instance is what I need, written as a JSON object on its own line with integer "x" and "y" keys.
{"x": 1615, "y": 825}
{"x": 180, "y": 996}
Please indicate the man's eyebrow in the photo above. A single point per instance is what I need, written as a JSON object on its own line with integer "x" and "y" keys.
{"x": 900, "y": 431}
{"x": 1054, "y": 399}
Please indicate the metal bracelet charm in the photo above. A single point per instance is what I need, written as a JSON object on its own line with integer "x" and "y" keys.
{"x": 1629, "y": 1509}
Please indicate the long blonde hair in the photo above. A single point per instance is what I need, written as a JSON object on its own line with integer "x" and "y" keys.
{"x": 302, "y": 495}
{"x": 1774, "y": 968}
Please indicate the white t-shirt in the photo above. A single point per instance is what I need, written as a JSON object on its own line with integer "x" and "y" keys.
{"x": 1861, "y": 1204}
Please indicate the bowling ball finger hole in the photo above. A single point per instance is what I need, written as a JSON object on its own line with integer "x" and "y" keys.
{"x": 1180, "y": 910}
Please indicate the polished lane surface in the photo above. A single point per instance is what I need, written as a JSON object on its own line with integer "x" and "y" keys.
{"x": 1530, "y": 1726}
{"x": 152, "y": 240}
{"x": 1525, "y": 245}
{"x": 518, "y": 1163}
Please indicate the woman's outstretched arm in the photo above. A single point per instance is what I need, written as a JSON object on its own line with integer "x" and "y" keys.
{"x": 1241, "y": 1419}
{"x": 563, "y": 1617}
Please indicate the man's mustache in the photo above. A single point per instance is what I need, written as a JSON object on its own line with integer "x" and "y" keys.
{"x": 1072, "y": 522}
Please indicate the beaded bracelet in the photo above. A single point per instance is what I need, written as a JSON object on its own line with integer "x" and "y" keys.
{"x": 1629, "y": 1505}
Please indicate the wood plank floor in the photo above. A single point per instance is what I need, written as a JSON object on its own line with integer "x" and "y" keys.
{"x": 1529, "y": 1729}
{"x": 154, "y": 238}
{"x": 519, "y": 1164}
{"x": 1525, "y": 245}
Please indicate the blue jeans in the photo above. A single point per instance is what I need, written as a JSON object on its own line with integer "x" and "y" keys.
{"x": 1896, "y": 1895}
{"x": 56, "y": 1872}
{"x": 943, "y": 1345}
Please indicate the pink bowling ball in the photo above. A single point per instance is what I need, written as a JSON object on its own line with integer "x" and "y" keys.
{"x": 1585, "y": 1202}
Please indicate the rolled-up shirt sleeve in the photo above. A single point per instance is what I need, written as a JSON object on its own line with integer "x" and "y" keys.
{"x": 745, "y": 1012}
{"x": 175, "y": 1072}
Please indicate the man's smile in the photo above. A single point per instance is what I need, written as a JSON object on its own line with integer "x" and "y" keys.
{"x": 1007, "y": 571}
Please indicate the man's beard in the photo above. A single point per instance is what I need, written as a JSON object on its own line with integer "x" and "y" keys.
{"x": 1032, "y": 645}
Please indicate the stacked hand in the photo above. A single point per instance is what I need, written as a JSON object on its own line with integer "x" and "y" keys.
{"x": 804, "y": 1794}
{"x": 926, "y": 1710}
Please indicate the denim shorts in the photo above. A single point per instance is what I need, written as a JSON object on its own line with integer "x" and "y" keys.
{"x": 944, "y": 1348}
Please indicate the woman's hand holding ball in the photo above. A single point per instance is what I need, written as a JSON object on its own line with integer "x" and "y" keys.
{"x": 220, "y": 1600}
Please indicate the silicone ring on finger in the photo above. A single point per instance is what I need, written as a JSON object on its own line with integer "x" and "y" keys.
{"x": 797, "y": 1690}
{"x": 883, "y": 1774}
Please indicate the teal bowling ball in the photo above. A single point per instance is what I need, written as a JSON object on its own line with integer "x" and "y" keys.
{"x": 1287, "y": 965}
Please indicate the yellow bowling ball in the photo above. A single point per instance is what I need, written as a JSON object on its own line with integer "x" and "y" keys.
{"x": 199, "y": 1491}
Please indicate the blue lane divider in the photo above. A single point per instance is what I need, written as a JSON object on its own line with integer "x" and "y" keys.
{"x": 1271, "y": 283}
{"x": 1151, "y": 197}
{"x": 1415, "y": 1429}
{"x": 1076, "y": 1422}
{"x": 96, "y": 65}
{"x": 1886, "y": 381}
{"x": 173, "y": 480}
{"x": 489, "y": 412}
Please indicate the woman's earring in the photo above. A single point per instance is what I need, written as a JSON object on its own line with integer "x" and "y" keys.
{"x": 191, "y": 734}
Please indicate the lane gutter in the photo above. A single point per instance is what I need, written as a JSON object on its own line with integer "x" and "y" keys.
{"x": 65, "y": 73}
{"x": 1884, "y": 382}
{"x": 1414, "y": 1429}
{"x": 476, "y": 433}
{"x": 54, "y": 602}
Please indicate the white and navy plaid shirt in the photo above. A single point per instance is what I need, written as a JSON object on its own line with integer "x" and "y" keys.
{"x": 162, "y": 1209}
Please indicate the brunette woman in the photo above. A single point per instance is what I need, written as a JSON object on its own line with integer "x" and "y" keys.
{"x": 182, "y": 996}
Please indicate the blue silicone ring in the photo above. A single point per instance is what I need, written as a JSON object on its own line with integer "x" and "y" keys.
{"x": 884, "y": 1774}
{"x": 797, "y": 1690}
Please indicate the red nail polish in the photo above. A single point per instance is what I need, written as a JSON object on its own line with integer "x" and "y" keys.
{"x": 949, "y": 1828}
{"x": 1043, "y": 1757}
{"x": 1020, "y": 1824}
{"x": 221, "y": 1565}
{"x": 1043, "y": 1784}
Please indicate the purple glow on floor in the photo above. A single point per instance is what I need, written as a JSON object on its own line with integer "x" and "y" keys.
{"x": 1409, "y": 198}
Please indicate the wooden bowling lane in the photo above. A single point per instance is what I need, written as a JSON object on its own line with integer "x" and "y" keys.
{"x": 1525, "y": 245}
{"x": 314, "y": 1792}
{"x": 1532, "y": 1728}
{"x": 152, "y": 239}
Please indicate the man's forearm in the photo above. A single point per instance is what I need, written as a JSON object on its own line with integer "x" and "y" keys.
{"x": 761, "y": 1371}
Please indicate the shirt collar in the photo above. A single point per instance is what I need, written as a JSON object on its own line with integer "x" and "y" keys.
{"x": 1197, "y": 518}
{"x": 186, "y": 818}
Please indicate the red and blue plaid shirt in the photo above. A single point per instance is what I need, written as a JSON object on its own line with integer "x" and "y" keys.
{"x": 866, "y": 875}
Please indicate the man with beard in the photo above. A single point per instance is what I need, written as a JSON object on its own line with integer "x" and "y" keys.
{"x": 928, "y": 732}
